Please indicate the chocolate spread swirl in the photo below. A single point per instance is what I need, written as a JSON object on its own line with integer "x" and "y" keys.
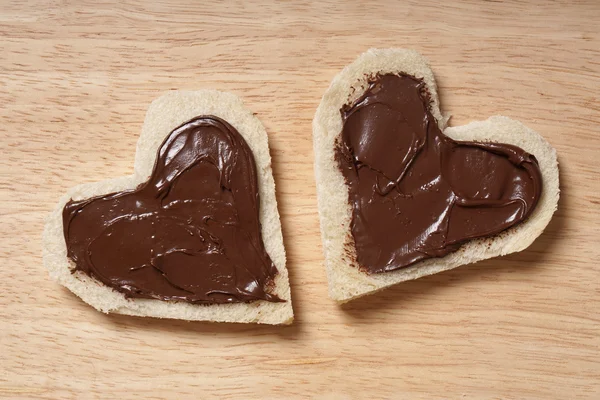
{"x": 190, "y": 233}
{"x": 417, "y": 194}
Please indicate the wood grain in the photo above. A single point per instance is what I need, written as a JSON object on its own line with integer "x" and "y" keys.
{"x": 75, "y": 80}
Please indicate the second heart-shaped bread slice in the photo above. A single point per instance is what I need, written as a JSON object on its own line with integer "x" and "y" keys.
{"x": 192, "y": 144}
{"x": 351, "y": 99}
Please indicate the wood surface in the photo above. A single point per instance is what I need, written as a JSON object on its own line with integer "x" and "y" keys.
{"x": 75, "y": 80}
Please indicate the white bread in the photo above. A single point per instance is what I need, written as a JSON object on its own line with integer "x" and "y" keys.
{"x": 165, "y": 114}
{"x": 346, "y": 282}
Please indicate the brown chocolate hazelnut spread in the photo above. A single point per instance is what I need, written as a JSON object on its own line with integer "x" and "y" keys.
{"x": 190, "y": 233}
{"x": 416, "y": 193}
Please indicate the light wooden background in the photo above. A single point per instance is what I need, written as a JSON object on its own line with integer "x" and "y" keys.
{"x": 75, "y": 80}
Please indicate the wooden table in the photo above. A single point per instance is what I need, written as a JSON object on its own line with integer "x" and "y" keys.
{"x": 75, "y": 80}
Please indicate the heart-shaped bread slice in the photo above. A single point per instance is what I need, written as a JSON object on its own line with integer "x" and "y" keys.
{"x": 194, "y": 234}
{"x": 402, "y": 196}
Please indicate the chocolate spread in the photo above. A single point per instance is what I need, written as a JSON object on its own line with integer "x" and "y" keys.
{"x": 190, "y": 233}
{"x": 417, "y": 194}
